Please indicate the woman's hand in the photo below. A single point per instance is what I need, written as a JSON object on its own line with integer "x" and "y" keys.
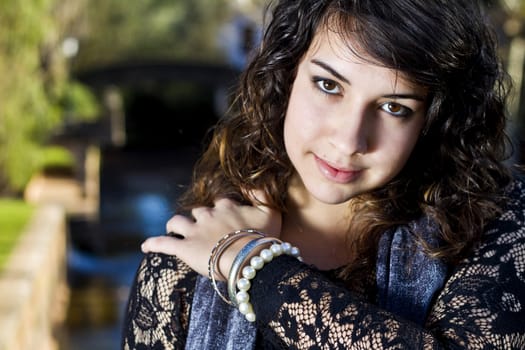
{"x": 199, "y": 235}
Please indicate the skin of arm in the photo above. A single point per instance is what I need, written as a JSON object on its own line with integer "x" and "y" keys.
{"x": 208, "y": 225}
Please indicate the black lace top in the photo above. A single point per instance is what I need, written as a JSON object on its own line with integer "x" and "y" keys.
{"x": 482, "y": 305}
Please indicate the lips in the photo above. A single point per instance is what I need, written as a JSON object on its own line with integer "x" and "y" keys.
{"x": 337, "y": 175}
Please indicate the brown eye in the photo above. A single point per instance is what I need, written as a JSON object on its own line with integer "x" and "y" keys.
{"x": 327, "y": 86}
{"x": 396, "y": 109}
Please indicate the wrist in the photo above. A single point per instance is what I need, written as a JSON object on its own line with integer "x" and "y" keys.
{"x": 226, "y": 261}
{"x": 244, "y": 269}
{"x": 216, "y": 256}
{"x": 239, "y": 256}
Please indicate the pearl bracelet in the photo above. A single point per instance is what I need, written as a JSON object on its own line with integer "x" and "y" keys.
{"x": 241, "y": 297}
{"x": 217, "y": 251}
{"x": 240, "y": 260}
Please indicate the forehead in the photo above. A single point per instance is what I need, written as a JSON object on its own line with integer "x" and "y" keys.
{"x": 345, "y": 46}
{"x": 341, "y": 32}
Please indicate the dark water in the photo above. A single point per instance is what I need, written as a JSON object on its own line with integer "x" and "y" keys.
{"x": 165, "y": 125}
{"x": 138, "y": 194}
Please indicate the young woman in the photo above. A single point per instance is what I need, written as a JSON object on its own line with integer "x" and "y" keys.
{"x": 370, "y": 136}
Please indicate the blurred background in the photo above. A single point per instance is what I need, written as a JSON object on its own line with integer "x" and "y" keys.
{"x": 104, "y": 107}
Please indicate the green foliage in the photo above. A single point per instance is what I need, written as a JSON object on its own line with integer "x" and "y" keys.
{"x": 36, "y": 96}
{"x": 34, "y": 85}
{"x": 516, "y": 6}
{"x": 79, "y": 102}
{"x": 151, "y": 29}
{"x": 15, "y": 216}
{"x": 56, "y": 161}
{"x": 56, "y": 156}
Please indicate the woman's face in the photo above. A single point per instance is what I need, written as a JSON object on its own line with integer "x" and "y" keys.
{"x": 350, "y": 125}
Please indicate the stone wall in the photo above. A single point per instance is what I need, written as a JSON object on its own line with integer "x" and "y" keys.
{"x": 33, "y": 286}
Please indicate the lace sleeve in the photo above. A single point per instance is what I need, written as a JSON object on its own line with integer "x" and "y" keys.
{"x": 304, "y": 310}
{"x": 482, "y": 305}
{"x": 158, "y": 308}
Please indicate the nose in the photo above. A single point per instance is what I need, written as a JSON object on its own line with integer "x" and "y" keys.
{"x": 350, "y": 130}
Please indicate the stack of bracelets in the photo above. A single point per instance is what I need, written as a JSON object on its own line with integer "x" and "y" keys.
{"x": 239, "y": 276}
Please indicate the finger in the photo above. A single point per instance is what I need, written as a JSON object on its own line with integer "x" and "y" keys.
{"x": 179, "y": 224}
{"x": 161, "y": 244}
{"x": 225, "y": 203}
{"x": 201, "y": 213}
{"x": 260, "y": 200}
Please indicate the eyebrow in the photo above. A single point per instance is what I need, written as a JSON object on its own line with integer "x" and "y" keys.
{"x": 342, "y": 78}
{"x": 407, "y": 97}
{"x": 330, "y": 70}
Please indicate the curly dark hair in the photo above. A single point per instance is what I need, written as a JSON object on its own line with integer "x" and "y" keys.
{"x": 456, "y": 172}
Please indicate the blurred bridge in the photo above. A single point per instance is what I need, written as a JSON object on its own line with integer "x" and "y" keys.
{"x": 137, "y": 73}
{"x": 141, "y": 107}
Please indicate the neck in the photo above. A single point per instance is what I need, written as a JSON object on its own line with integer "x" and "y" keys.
{"x": 318, "y": 229}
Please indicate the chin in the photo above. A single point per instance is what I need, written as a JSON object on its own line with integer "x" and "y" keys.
{"x": 334, "y": 198}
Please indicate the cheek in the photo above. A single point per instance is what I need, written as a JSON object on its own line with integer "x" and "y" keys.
{"x": 397, "y": 147}
{"x": 293, "y": 137}
{"x": 301, "y": 131}
{"x": 301, "y": 123}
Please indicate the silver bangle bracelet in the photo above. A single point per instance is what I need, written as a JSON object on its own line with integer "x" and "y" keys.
{"x": 213, "y": 268}
{"x": 223, "y": 244}
{"x": 239, "y": 260}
